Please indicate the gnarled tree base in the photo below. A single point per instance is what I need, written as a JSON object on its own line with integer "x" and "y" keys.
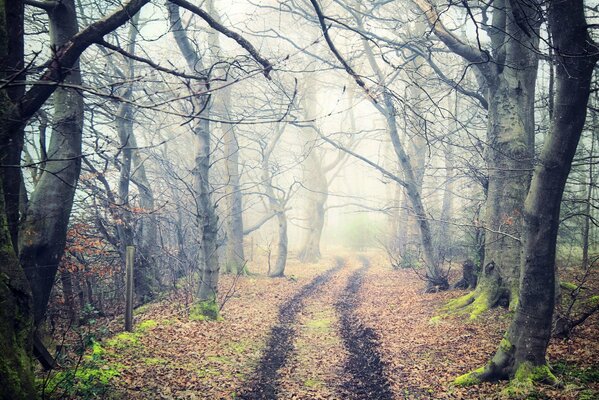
{"x": 490, "y": 292}
{"x": 523, "y": 374}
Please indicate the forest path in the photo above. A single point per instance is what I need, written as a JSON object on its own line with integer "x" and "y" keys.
{"x": 350, "y": 366}
{"x": 365, "y": 376}
{"x": 264, "y": 384}
{"x": 326, "y": 331}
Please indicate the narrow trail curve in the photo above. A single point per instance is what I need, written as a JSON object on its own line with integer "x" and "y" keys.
{"x": 264, "y": 383}
{"x": 365, "y": 373}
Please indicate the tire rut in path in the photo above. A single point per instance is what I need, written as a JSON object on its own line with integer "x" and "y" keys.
{"x": 364, "y": 370}
{"x": 264, "y": 383}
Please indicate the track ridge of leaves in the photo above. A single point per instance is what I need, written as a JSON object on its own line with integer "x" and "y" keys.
{"x": 264, "y": 383}
{"x": 364, "y": 367}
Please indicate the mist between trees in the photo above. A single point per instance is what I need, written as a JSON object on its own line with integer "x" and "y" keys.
{"x": 444, "y": 134}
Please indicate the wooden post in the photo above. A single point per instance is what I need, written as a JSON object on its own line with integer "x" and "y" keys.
{"x": 130, "y": 257}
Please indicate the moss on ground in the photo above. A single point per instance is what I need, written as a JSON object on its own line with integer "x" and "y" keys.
{"x": 207, "y": 310}
{"x": 90, "y": 379}
{"x": 146, "y": 326}
{"x": 124, "y": 340}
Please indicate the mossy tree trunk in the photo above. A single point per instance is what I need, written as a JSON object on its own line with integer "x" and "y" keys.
{"x": 12, "y": 67}
{"x": 16, "y": 316}
{"x": 16, "y": 322}
{"x": 521, "y": 354}
{"x": 509, "y": 70}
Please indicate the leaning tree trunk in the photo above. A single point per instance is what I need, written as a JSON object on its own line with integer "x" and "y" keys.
{"x": 436, "y": 280}
{"x": 42, "y": 235}
{"x": 521, "y": 354}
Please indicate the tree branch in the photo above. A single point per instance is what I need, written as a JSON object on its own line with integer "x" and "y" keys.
{"x": 471, "y": 54}
{"x": 64, "y": 58}
{"x": 227, "y": 32}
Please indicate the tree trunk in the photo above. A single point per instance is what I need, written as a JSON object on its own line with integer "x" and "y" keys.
{"x": 145, "y": 276}
{"x": 42, "y": 234}
{"x": 315, "y": 182}
{"x": 235, "y": 258}
{"x": 521, "y": 354}
{"x": 205, "y": 212}
{"x": 279, "y": 269}
{"x": 11, "y": 146}
{"x": 510, "y": 152}
{"x": 16, "y": 321}
{"x": 67, "y": 292}
{"x": 436, "y": 280}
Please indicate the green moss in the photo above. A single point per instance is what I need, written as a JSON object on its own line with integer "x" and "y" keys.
{"x": 458, "y": 303}
{"x": 219, "y": 359}
{"x": 146, "y": 325}
{"x": 469, "y": 379}
{"x": 479, "y": 306}
{"x": 436, "y": 320}
{"x": 568, "y": 286}
{"x": 239, "y": 346}
{"x": 205, "y": 311}
{"x": 505, "y": 345}
{"x": 91, "y": 379}
{"x": 592, "y": 301}
{"x": 522, "y": 384}
{"x": 570, "y": 372}
{"x": 588, "y": 394}
{"x": 123, "y": 340}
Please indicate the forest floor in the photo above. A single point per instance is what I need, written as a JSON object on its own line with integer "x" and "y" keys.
{"x": 349, "y": 327}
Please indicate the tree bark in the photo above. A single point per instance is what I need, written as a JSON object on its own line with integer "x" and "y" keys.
{"x": 521, "y": 354}
{"x": 279, "y": 269}
{"x": 205, "y": 213}
{"x": 42, "y": 235}
{"x": 315, "y": 182}
{"x": 510, "y": 76}
{"x": 12, "y": 66}
{"x": 235, "y": 257}
{"x": 16, "y": 321}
